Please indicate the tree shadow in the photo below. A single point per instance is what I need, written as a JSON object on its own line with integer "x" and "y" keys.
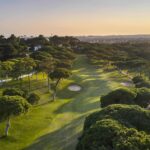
{"x": 64, "y": 138}
{"x": 87, "y": 99}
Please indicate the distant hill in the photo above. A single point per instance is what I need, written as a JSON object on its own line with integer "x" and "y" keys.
{"x": 115, "y": 38}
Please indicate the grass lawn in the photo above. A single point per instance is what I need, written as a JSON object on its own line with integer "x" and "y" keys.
{"x": 57, "y": 125}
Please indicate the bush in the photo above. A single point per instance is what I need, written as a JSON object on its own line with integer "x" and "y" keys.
{"x": 119, "y": 96}
{"x": 129, "y": 115}
{"x": 116, "y": 127}
{"x": 109, "y": 134}
{"x": 141, "y": 82}
{"x": 143, "y": 97}
{"x": 139, "y": 97}
{"x": 12, "y": 106}
{"x": 145, "y": 84}
{"x": 137, "y": 79}
{"x": 33, "y": 98}
{"x": 14, "y": 92}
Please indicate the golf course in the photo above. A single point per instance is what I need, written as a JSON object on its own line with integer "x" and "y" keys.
{"x": 58, "y": 125}
{"x": 74, "y": 75}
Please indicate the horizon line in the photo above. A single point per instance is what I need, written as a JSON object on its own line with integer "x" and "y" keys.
{"x": 84, "y": 35}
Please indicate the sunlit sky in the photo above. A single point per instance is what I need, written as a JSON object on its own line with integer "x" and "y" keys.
{"x": 74, "y": 17}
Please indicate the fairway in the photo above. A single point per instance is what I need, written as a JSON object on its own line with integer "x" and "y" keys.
{"x": 57, "y": 125}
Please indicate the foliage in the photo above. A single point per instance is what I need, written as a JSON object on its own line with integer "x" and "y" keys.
{"x": 44, "y": 61}
{"x": 137, "y": 79}
{"x": 63, "y": 41}
{"x": 141, "y": 82}
{"x": 33, "y": 98}
{"x": 6, "y": 68}
{"x": 143, "y": 97}
{"x": 65, "y": 64}
{"x": 139, "y": 96}
{"x": 59, "y": 73}
{"x": 145, "y": 84}
{"x": 12, "y": 48}
{"x": 14, "y": 92}
{"x": 109, "y": 134}
{"x": 22, "y": 66}
{"x": 12, "y": 106}
{"x": 119, "y": 96}
{"x": 133, "y": 57}
{"x": 129, "y": 115}
{"x": 116, "y": 127}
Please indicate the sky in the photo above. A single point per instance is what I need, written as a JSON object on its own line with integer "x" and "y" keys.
{"x": 74, "y": 17}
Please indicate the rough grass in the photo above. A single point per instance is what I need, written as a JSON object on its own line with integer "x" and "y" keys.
{"x": 57, "y": 125}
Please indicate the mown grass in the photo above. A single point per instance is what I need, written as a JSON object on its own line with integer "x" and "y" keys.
{"x": 57, "y": 125}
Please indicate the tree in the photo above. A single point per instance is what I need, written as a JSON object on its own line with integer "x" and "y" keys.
{"x": 140, "y": 82}
{"x": 143, "y": 97}
{"x": 116, "y": 127}
{"x": 1, "y": 72}
{"x": 8, "y": 51}
{"x": 14, "y": 92}
{"x": 29, "y": 65}
{"x": 119, "y": 96}
{"x": 18, "y": 70}
{"x": 13, "y": 39}
{"x": 33, "y": 98}
{"x": 12, "y": 106}
{"x": 22, "y": 66}
{"x": 137, "y": 79}
{"x": 58, "y": 74}
{"x": 7, "y": 68}
{"x": 45, "y": 63}
{"x": 109, "y": 134}
{"x": 65, "y": 64}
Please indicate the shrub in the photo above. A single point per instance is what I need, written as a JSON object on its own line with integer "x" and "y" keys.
{"x": 119, "y": 96}
{"x": 140, "y": 96}
{"x": 33, "y": 98}
{"x": 14, "y": 92}
{"x": 116, "y": 127}
{"x": 11, "y": 106}
{"x": 109, "y": 134}
{"x": 137, "y": 79}
{"x": 129, "y": 115}
{"x": 143, "y": 97}
{"x": 141, "y": 82}
{"x": 145, "y": 84}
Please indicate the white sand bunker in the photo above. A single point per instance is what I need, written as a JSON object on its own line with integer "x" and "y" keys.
{"x": 74, "y": 88}
{"x": 127, "y": 84}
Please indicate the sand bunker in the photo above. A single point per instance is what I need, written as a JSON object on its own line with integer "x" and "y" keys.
{"x": 74, "y": 88}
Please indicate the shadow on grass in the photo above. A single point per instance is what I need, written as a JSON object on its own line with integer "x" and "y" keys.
{"x": 64, "y": 138}
{"x": 87, "y": 99}
{"x": 8, "y": 138}
{"x": 35, "y": 84}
